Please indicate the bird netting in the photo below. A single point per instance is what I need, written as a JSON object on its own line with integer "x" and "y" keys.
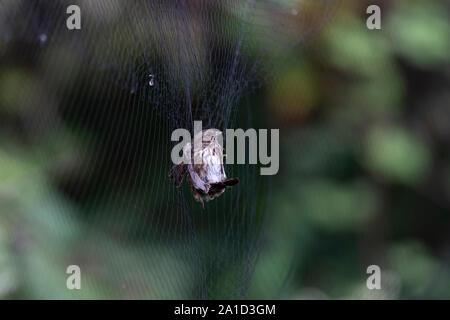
{"x": 134, "y": 72}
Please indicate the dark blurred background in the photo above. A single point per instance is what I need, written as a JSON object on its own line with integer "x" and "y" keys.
{"x": 364, "y": 118}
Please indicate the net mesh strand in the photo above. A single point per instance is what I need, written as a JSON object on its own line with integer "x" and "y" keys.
{"x": 136, "y": 71}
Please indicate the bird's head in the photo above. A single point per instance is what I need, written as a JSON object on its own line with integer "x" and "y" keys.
{"x": 209, "y": 134}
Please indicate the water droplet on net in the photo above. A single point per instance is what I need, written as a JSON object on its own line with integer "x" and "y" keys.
{"x": 294, "y": 12}
{"x": 43, "y": 38}
{"x": 151, "y": 82}
{"x": 134, "y": 84}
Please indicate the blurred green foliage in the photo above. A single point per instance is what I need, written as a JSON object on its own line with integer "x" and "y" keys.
{"x": 364, "y": 176}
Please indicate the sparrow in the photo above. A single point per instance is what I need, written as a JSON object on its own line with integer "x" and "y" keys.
{"x": 205, "y": 173}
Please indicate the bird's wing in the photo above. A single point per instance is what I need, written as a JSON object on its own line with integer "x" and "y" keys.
{"x": 231, "y": 182}
{"x": 177, "y": 173}
{"x": 197, "y": 182}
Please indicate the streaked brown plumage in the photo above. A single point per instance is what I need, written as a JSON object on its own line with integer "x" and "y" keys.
{"x": 206, "y": 175}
